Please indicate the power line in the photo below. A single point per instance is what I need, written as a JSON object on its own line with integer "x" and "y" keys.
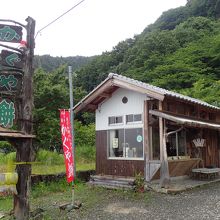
{"x": 59, "y": 17}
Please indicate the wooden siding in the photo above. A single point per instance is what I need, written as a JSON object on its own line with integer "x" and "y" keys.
{"x": 191, "y": 109}
{"x": 179, "y": 167}
{"x": 105, "y": 166}
{"x": 211, "y": 152}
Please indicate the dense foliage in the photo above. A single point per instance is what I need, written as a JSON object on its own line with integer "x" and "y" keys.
{"x": 51, "y": 93}
{"x": 180, "y": 52}
{"x": 49, "y": 63}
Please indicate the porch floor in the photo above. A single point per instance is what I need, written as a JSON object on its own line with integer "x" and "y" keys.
{"x": 179, "y": 184}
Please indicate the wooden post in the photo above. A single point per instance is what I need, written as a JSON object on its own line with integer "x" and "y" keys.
{"x": 164, "y": 169}
{"x": 146, "y": 140}
{"x": 25, "y": 152}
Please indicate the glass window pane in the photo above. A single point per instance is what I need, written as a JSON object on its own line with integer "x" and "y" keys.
{"x": 111, "y": 120}
{"x": 129, "y": 118}
{"x": 116, "y": 140}
{"x": 134, "y": 142}
{"x": 156, "y": 143}
{"x": 137, "y": 117}
{"x": 115, "y": 120}
{"x": 118, "y": 119}
{"x": 171, "y": 145}
{"x": 182, "y": 143}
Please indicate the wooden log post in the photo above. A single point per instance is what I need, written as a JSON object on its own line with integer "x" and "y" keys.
{"x": 146, "y": 141}
{"x": 164, "y": 169}
{"x": 24, "y": 148}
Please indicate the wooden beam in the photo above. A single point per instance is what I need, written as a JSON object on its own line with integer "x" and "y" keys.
{"x": 164, "y": 169}
{"x": 92, "y": 107}
{"x": 129, "y": 86}
{"x": 188, "y": 121}
{"x": 17, "y": 135}
{"x": 146, "y": 130}
{"x": 161, "y": 133}
{"x": 146, "y": 139}
{"x": 105, "y": 95}
{"x": 93, "y": 95}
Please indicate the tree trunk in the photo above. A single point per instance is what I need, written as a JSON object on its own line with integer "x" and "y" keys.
{"x": 24, "y": 148}
{"x": 21, "y": 200}
{"x": 164, "y": 168}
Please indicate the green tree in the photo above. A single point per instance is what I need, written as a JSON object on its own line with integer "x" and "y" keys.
{"x": 51, "y": 93}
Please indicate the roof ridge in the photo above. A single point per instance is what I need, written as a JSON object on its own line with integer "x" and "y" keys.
{"x": 161, "y": 90}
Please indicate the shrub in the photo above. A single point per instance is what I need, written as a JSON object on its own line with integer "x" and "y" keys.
{"x": 139, "y": 182}
{"x": 84, "y": 134}
{"x": 2, "y": 158}
{"x": 8, "y": 160}
{"x": 85, "y": 153}
{"x": 5, "y": 147}
{"x": 10, "y": 157}
{"x": 49, "y": 157}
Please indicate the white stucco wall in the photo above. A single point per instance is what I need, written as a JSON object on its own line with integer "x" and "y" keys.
{"x": 115, "y": 107}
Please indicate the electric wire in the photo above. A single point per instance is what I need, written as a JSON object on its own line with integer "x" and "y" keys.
{"x": 59, "y": 17}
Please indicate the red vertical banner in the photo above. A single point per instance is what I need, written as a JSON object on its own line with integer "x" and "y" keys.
{"x": 67, "y": 143}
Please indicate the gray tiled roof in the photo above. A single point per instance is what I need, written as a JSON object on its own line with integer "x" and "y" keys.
{"x": 160, "y": 90}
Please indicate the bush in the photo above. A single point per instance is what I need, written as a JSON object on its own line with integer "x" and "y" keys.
{"x": 2, "y": 158}
{"x": 7, "y": 160}
{"x": 5, "y": 147}
{"x": 11, "y": 157}
{"x": 84, "y": 134}
{"x": 49, "y": 157}
{"x": 139, "y": 182}
{"x": 85, "y": 153}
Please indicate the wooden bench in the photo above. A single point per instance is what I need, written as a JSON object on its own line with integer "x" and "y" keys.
{"x": 205, "y": 173}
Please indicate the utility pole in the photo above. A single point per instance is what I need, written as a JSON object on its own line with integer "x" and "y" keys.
{"x": 72, "y": 128}
{"x": 24, "y": 147}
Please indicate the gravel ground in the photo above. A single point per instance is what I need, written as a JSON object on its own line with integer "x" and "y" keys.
{"x": 201, "y": 203}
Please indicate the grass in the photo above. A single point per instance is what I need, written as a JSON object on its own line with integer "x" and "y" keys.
{"x": 43, "y": 169}
{"x": 6, "y": 203}
{"x": 53, "y": 169}
{"x": 51, "y": 162}
{"x": 49, "y": 196}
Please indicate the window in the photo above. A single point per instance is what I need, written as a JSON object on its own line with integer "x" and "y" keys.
{"x": 115, "y": 120}
{"x": 176, "y": 145}
{"x": 125, "y": 143}
{"x": 133, "y": 118}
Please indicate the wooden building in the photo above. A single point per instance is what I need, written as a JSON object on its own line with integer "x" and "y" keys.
{"x": 147, "y": 129}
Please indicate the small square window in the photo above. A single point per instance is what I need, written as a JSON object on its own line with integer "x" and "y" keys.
{"x": 129, "y": 118}
{"x": 115, "y": 120}
{"x": 111, "y": 120}
{"x": 133, "y": 118}
{"x": 137, "y": 117}
{"x": 118, "y": 119}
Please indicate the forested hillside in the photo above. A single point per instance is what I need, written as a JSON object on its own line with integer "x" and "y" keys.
{"x": 180, "y": 52}
{"x": 49, "y": 63}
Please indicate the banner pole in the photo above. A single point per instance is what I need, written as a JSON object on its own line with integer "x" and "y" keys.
{"x": 72, "y": 126}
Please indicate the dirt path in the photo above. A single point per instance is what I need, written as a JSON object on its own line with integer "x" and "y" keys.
{"x": 198, "y": 204}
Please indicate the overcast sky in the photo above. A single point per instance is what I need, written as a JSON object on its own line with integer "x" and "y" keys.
{"x": 95, "y": 26}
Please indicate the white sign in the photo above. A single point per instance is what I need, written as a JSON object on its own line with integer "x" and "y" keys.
{"x": 114, "y": 142}
{"x": 139, "y": 138}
